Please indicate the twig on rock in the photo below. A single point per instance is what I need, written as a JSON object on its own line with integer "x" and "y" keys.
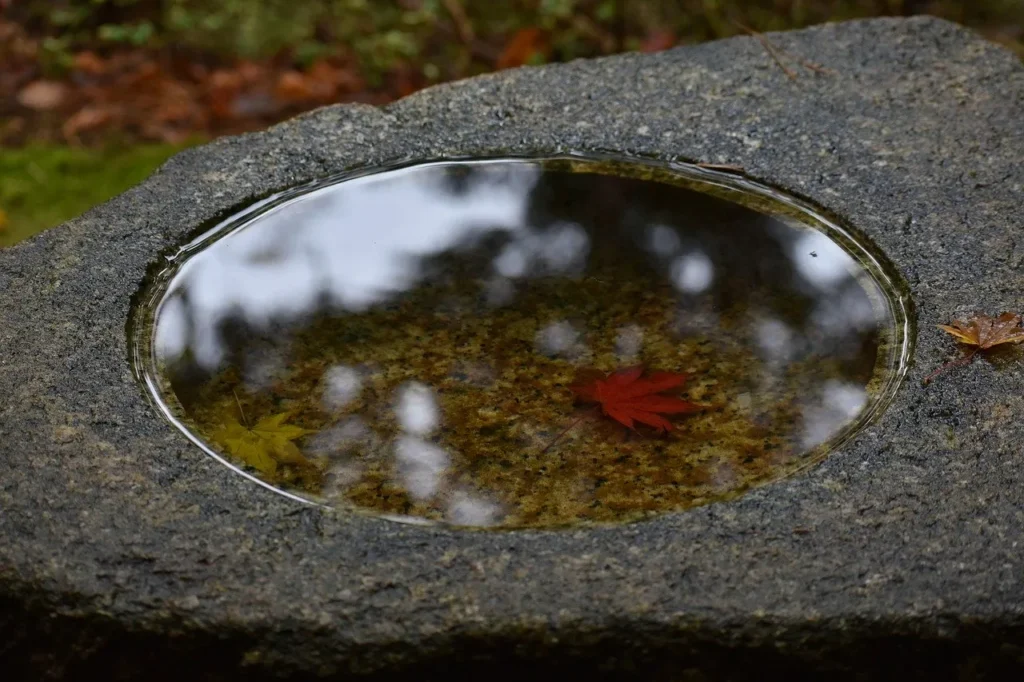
{"x": 776, "y": 53}
{"x": 770, "y": 49}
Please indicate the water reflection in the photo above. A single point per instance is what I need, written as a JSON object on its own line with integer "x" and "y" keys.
{"x": 837, "y": 403}
{"x": 421, "y": 328}
{"x": 693, "y": 272}
{"x": 342, "y": 385}
{"x": 354, "y": 246}
{"x": 417, "y": 409}
{"x": 421, "y": 465}
{"x": 559, "y": 339}
{"x": 629, "y": 343}
{"x": 465, "y": 509}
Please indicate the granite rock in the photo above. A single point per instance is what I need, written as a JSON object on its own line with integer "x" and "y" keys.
{"x": 127, "y": 552}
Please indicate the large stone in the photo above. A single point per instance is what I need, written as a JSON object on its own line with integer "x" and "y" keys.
{"x": 125, "y": 551}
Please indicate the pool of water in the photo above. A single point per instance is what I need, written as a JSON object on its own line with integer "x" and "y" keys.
{"x": 522, "y": 343}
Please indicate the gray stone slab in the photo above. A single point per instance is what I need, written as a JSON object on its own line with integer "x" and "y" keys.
{"x": 124, "y": 549}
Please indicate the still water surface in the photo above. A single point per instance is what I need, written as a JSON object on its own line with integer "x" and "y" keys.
{"x": 412, "y": 343}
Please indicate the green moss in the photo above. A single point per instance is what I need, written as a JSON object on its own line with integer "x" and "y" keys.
{"x": 44, "y": 185}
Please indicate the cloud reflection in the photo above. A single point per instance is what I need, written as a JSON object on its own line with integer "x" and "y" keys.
{"x": 663, "y": 240}
{"x": 629, "y": 341}
{"x": 421, "y": 466}
{"x": 513, "y": 261}
{"x": 840, "y": 402}
{"x": 357, "y": 243}
{"x": 776, "y": 340}
{"x": 171, "y": 335}
{"x": 263, "y": 367}
{"x": 558, "y": 339}
{"x": 820, "y": 260}
{"x": 349, "y": 437}
{"x": 563, "y": 247}
{"x": 417, "y": 409}
{"x": 693, "y": 272}
{"x": 342, "y": 385}
{"x": 465, "y": 509}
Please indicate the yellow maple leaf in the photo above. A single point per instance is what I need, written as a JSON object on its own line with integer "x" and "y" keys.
{"x": 264, "y": 446}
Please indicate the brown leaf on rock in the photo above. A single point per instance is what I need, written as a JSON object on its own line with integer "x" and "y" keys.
{"x": 985, "y": 332}
{"x": 982, "y": 332}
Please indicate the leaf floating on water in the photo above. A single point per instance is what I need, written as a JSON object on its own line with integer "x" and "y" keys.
{"x": 629, "y": 399}
{"x": 266, "y": 445}
{"x": 982, "y": 332}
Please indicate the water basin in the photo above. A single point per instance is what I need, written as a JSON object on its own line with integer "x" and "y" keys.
{"x": 478, "y": 343}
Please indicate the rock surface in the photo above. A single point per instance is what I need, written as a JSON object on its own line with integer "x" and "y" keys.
{"x": 126, "y": 552}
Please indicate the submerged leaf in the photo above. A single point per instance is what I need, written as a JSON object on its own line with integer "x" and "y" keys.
{"x": 266, "y": 445}
{"x": 629, "y": 398}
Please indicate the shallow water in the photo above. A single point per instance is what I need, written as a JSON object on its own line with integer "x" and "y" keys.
{"x": 405, "y": 343}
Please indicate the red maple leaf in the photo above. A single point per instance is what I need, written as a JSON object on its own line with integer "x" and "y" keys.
{"x": 629, "y": 399}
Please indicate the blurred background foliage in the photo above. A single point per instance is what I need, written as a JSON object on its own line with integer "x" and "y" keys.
{"x": 381, "y": 34}
{"x": 95, "y": 93}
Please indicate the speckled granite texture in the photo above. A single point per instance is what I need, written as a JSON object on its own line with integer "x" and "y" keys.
{"x": 129, "y": 554}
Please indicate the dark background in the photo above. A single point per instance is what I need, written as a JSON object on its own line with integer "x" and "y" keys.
{"x": 94, "y": 94}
